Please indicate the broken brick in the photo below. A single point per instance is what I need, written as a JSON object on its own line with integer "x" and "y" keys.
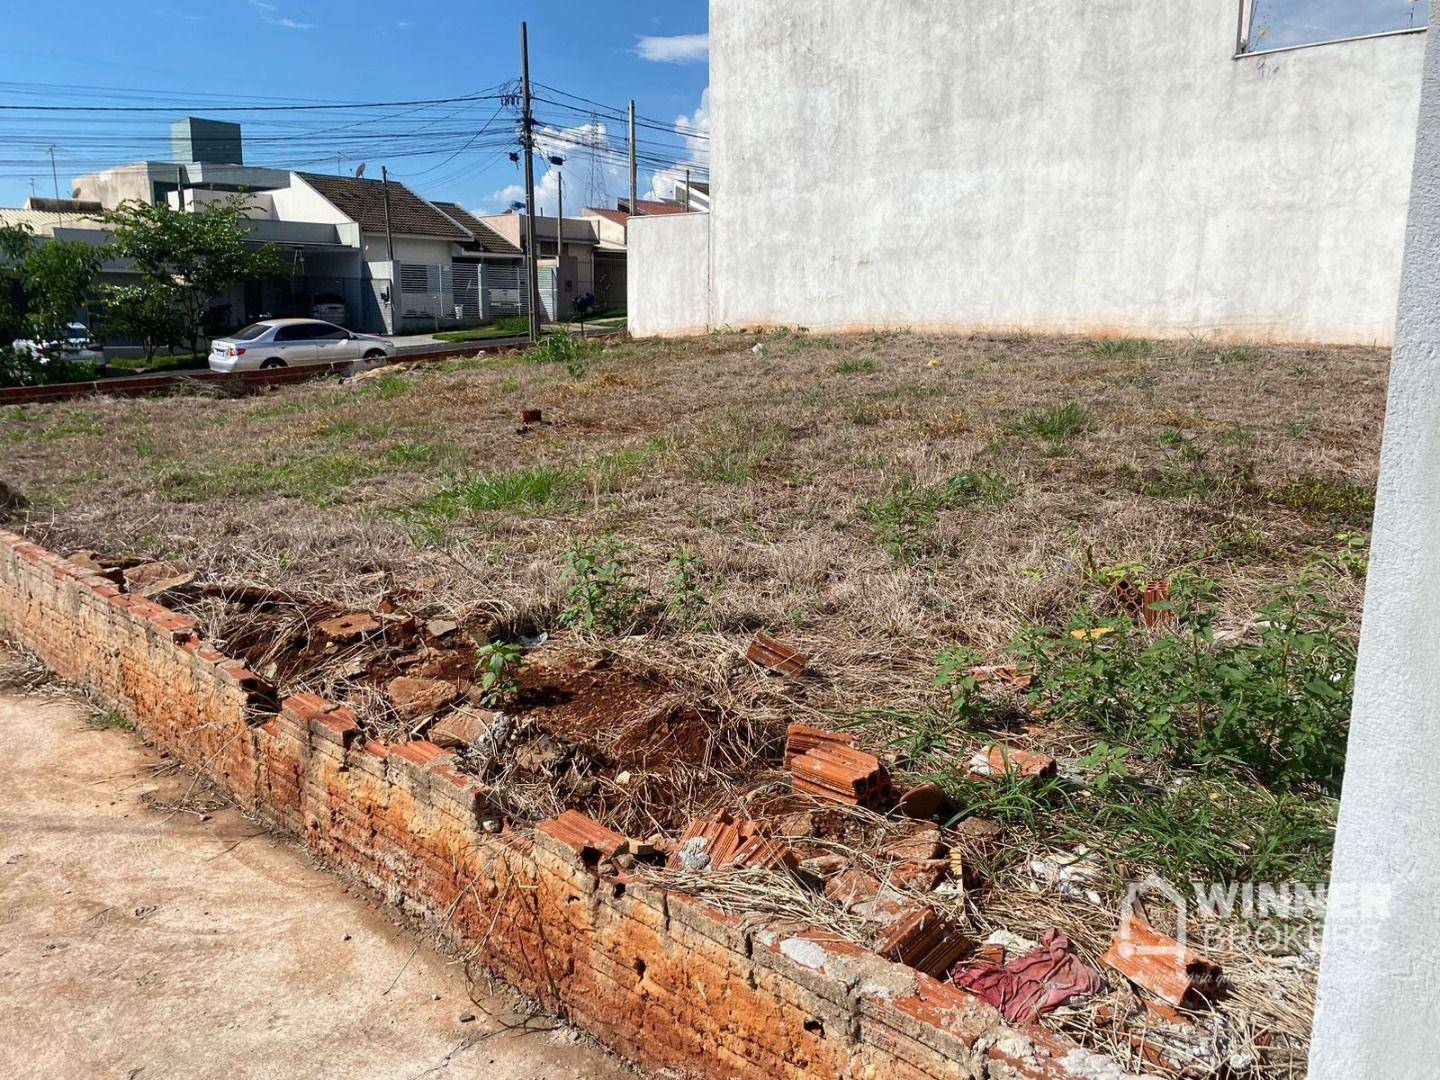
{"x": 920, "y": 846}
{"x": 586, "y": 837}
{"x": 769, "y": 652}
{"x": 530, "y": 417}
{"x": 919, "y": 875}
{"x": 462, "y": 729}
{"x": 852, "y": 887}
{"x": 924, "y": 940}
{"x": 922, "y": 802}
{"x": 1139, "y": 601}
{"x": 415, "y": 698}
{"x": 726, "y": 842}
{"x": 1162, "y": 965}
{"x": 351, "y": 627}
{"x": 1011, "y": 761}
{"x": 801, "y": 739}
{"x": 843, "y": 775}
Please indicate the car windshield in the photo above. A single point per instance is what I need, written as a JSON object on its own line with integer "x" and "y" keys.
{"x": 77, "y": 333}
{"x": 251, "y": 332}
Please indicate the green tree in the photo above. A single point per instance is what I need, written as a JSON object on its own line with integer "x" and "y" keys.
{"x": 58, "y": 276}
{"x": 196, "y": 255}
{"x": 148, "y": 314}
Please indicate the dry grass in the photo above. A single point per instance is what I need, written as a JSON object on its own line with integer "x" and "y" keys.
{"x": 1243, "y": 464}
{"x": 872, "y": 500}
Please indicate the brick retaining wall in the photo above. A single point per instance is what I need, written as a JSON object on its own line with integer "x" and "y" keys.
{"x": 663, "y": 979}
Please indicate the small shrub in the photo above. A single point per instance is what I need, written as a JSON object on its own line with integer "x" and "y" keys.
{"x": 685, "y": 598}
{"x": 600, "y": 595}
{"x": 1276, "y": 707}
{"x": 1057, "y": 425}
{"x": 965, "y": 701}
{"x": 573, "y": 352}
{"x": 862, "y": 366}
{"x": 498, "y": 665}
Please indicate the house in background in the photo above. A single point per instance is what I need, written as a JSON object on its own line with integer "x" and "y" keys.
{"x": 489, "y": 269}
{"x": 592, "y": 261}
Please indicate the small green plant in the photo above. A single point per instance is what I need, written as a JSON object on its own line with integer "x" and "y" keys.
{"x": 686, "y": 599}
{"x": 862, "y": 366}
{"x": 1274, "y": 706}
{"x": 1334, "y": 497}
{"x": 519, "y": 489}
{"x": 110, "y": 721}
{"x": 573, "y": 352}
{"x": 1057, "y": 425}
{"x": 600, "y": 595}
{"x": 1106, "y": 765}
{"x": 954, "y": 674}
{"x": 1122, "y": 348}
{"x": 1351, "y": 558}
{"x": 904, "y": 516}
{"x": 498, "y": 666}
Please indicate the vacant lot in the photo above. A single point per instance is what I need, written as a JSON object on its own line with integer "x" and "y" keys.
{"x": 896, "y": 506}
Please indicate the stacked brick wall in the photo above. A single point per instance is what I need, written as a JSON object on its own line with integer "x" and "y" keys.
{"x": 663, "y": 979}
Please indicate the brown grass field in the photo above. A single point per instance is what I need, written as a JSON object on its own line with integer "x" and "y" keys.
{"x": 872, "y": 500}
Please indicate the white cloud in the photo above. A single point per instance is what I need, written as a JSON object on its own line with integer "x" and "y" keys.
{"x": 270, "y": 13}
{"x": 598, "y": 179}
{"x": 680, "y": 49}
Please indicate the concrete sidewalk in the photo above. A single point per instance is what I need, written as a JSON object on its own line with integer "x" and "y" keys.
{"x": 150, "y": 931}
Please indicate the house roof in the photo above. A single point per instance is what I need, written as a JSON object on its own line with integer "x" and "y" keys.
{"x": 363, "y": 201}
{"x": 619, "y": 217}
{"x": 652, "y": 208}
{"x": 43, "y": 221}
{"x": 488, "y": 238}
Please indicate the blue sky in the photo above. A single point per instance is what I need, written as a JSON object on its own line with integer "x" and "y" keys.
{"x": 361, "y": 50}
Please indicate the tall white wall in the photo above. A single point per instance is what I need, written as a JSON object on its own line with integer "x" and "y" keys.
{"x": 1089, "y": 167}
{"x": 1379, "y": 1013}
{"x": 668, "y": 268}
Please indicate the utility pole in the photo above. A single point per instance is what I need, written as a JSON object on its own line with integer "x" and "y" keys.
{"x": 527, "y": 145}
{"x": 559, "y": 236}
{"x": 54, "y": 173}
{"x": 687, "y": 191}
{"x": 634, "y": 174}
{"x": 389, "y": 242}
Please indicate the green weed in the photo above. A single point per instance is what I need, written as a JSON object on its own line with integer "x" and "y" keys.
{"x": 600, "y": 595}
{"x": 1057, "y": 425}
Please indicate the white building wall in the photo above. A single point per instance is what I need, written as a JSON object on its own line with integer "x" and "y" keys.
{"x": 668, "y": 267}
{"x": 1105, "y": 167}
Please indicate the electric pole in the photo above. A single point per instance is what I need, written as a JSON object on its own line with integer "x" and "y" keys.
{"x": 634, "y": 181}
{"x": 559, "y": 228}
{"x": 54, "y": 173}
{"x": 389, "y": 243}
{"x": 527, "y": 145}
{"x": 687, "y": 191}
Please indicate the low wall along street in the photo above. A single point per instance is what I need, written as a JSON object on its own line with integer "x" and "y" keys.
{"x": 663, "y": 979}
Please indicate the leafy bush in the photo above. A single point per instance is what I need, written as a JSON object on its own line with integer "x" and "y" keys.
{"x": 600, "y": 595}
{"x": 686, "y": 600}
{"x": 498, "y": 664}
{"x": 966, "y": 705}
{"x": 1276, "y": 705}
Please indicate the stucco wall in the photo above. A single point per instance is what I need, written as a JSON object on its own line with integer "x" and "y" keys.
{"x": 1101, "y": 167}
{"x": 669, "y": 275}
{"x": 1379, "y": 1015}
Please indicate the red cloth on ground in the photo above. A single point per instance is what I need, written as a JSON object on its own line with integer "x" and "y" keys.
{"x": 1034, "y": 984}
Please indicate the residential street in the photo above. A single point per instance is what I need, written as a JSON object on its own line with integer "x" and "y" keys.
{"x": 150, "y": 932}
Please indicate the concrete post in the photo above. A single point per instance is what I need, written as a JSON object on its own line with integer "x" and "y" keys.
{"x": 1379, "y": 1011}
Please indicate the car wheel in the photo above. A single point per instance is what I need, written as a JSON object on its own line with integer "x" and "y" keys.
{"x": 272, "y": 363}
{"x": 376, "y": 354}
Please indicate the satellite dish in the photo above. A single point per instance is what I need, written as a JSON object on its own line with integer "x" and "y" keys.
{"x": 360, "y": 171}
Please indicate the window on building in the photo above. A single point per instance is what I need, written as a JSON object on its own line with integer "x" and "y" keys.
{"x": 1267, "y": 25}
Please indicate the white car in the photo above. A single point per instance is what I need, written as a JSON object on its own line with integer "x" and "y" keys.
{"x": 78, "y": 347}
{"x": 277, "y": 343}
